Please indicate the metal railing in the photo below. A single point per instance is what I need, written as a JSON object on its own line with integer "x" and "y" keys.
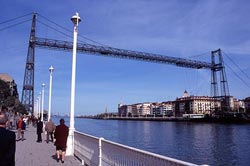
{"x": 95, "y": 151}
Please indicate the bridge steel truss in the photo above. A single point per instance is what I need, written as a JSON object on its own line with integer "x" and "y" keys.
{"x": 119, "y": 53}
{"x": 28, "y": 84}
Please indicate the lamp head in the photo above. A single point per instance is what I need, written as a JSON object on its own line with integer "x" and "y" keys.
{"x": 76, "y": 19}
{"x": 51, "y": 68}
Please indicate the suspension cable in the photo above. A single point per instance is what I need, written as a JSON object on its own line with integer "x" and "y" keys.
{"x": 236, "y": 65}
{"x": 10, "y": 26}
{"x": 15, "y": 18}
{"x": 238, "y": 76}
{"x": 65, "y": 34}
{"x": 54, "y": 29}
{"x": 54, "y": 23}
{"x": 68, "y": 30}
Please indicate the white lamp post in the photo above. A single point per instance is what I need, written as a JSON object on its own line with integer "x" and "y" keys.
{"x": 43, "y": 85}
{"x": 36, "y": 108}
{"x": 39, "y": 104}
{"x": 70, "y": 142}
{"x": 50, "y": 90}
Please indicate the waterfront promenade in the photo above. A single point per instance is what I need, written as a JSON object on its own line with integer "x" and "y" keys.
{"x": 29, "y": 152}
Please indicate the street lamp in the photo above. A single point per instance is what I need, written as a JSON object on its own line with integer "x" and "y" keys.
{"x": 39, "y": 104}
{"x": 43, "y": 85}
{"x": 35, "y": 108}
{"x": 50, "y": 90}
{"x": 70, "y": 143}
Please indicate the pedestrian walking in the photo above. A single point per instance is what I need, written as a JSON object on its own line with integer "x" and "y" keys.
{"x": 16, "y": 118}
{"x": 7, "y": 143}
{"x": 50, "y": 128}
{"x": 11, "y": 119}
{"x": 25, "y": 119}
{"x": 61, "y": 135}
{"x": 23, "y": 129}
{"x": 39, "y": 130}
{"x": 20, "y": 129}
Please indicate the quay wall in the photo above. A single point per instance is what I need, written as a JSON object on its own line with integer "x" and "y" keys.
{"x": 233, "y": 120}
{"x": 147, "y": 118}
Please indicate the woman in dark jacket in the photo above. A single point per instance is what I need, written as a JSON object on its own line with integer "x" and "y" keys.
{"x": 39, "y": 130}
{"x": 61, "y": 135}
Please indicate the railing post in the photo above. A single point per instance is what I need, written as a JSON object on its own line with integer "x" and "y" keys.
{"x": 100, "y": 151}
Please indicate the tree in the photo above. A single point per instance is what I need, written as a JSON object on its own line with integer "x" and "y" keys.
{"x": 5, "y": 95}
{"x": 4, "y": 92}
{"x": 21, "y": 109}
{"x": 10, "y": 101}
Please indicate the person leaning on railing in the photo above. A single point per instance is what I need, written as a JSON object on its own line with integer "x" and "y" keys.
{"x": 7, "y": 143}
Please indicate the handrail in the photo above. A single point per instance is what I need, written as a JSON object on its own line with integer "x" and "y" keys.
{"x": 100, "y": 152}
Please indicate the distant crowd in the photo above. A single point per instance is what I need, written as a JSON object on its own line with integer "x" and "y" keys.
{"x": 12, "y": 129}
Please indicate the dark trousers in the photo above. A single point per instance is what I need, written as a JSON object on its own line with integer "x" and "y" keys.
{"x": 51, "y": 136}
{"x": 39, "y": 137}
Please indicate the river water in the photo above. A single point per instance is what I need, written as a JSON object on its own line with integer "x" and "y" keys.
{"x": 199, "y": 143}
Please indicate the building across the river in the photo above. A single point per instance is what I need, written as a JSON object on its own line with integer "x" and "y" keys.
{"x": 183, "y": 105}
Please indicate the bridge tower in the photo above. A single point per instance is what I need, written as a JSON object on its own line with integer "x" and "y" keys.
{"x": 218, "y": 66}
{"x": 28, "y": 83}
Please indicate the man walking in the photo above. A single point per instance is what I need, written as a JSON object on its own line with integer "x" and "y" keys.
{"x": 61, "y": 135}
{"x": 7, "y": 143}
{"x": 49, "y": 128}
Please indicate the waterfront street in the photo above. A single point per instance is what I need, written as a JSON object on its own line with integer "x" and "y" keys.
{"x": 31, "y": 153}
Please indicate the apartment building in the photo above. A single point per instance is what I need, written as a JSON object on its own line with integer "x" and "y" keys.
{"x": 239, "y": 105}
{"x": 185, "y": 105}
{"x": 162, "y": 109}
{"x": 125, "y": 110}
{"x": 144, "y": 109}
{"x": 247, "y": 105}
{"x": 11, "y": 82}
{"x": 195, "y": 105}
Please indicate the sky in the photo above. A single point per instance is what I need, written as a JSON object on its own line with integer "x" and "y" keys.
{"x": 180, "y": 28}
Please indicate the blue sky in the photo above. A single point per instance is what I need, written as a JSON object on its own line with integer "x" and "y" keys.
{"x": 174, "y": 28}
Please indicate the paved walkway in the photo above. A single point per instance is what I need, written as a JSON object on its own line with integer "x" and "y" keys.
{"x": 31, "y": 153}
